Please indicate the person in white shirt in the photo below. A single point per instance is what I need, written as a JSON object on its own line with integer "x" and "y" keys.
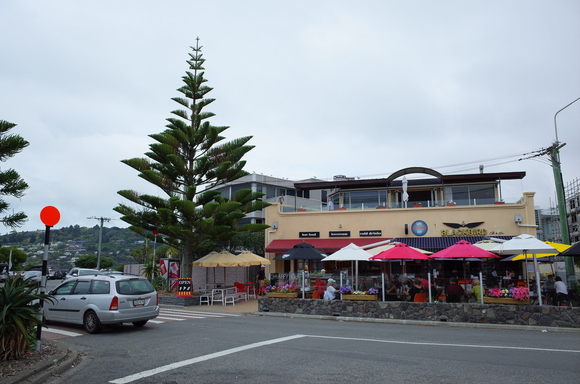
{"x": 330, "y": 290}
{"x": 561, "y": 291}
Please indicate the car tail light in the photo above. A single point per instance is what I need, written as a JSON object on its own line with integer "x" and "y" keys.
{"x": 114, "y": 304}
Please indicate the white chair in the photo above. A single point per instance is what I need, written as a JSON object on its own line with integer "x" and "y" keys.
{"x": 205, "y": 298}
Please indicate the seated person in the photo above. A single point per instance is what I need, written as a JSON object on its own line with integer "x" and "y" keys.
{"x": 394, "y": 286}
{"x": 454, "y": 291}
{"x": 320, "y": 286}
{"x": 561, "y": 291}
{"x": 549, "y": 290}
{"x": 416, "y": 288}
{"x": 330, "y": 292}
{"x": 476, "y": 290}
{"x": 425, "y": 285}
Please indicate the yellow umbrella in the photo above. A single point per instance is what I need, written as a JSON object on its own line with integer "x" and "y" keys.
{"x": 253, "y": 259}
{"x": 558, "y": 246}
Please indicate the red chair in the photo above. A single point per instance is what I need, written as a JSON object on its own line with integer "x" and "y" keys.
{"x": 251, "y": 289}
{"x": 241, "y": 291}
{"x": 420, "y": 298}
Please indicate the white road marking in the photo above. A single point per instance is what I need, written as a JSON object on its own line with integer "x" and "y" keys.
{"x": 179, "y": 364}
{"x": 449, "y": 344}
{"x": 62, "y": 332}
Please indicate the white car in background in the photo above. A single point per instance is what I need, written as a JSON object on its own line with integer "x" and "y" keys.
{"x": 96, "y": 300}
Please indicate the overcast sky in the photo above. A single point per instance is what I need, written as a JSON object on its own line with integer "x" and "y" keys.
{"x": 324, "y": 87}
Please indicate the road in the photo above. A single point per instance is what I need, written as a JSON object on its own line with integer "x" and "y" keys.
{"x": 256, "y": 349}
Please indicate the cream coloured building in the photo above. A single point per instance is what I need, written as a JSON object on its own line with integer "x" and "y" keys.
{"x": 439, "y": 210}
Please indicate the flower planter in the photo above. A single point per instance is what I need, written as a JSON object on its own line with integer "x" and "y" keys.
{"x": 504, "y": 300}
{"x": 341, "y": 209}
{"x": 417, "y": 206}
{"x": 360, "y": 297}
{"x": 451, "y": 204}
{"x": 301, "y": 210}
{"x": 499, "y": 203}
{"x": 278, "y": 294}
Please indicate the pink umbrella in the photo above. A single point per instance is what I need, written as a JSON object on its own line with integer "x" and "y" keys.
{"x": 400, "y": 251}
{"x": 463, "y": 250}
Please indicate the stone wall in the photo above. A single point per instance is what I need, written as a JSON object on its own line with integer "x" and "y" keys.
{"x": 548, "y": 316}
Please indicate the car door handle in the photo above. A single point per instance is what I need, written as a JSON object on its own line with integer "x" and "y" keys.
{"x": 83, "y": 298}
{"x": 63, "y": 298}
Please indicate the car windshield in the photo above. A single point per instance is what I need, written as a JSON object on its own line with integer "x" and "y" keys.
{"x": 134, "y": 287}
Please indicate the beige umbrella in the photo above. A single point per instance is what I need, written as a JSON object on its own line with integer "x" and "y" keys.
{"x": 220, "y": 259}
{"x": 253, "y": 259}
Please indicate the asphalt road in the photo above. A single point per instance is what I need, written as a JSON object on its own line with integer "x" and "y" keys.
{"x": 256, "y": 349}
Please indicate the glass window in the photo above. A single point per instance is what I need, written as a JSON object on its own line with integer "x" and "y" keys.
{"x": 82, "y": 288}
{"x": 483, "y": 194}
{"x": 101, "y": 287}
{"x": 460, "y": 195}
{"x": 134, "y": 287}
{"x": 270, "y": 192}
{"x": 368, "y": 199}
{"x": 66, "y": 288}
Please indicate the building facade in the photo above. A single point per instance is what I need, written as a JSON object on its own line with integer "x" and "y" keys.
{"x": 431, "y": 213}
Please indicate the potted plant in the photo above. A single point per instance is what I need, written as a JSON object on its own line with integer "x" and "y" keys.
{"x": 288, "y": 291}
{"x": 518, "y": 296}
{"x": 417, "y": 205}
{"x": 451, "y": 203}
{"x": 348, "y": 294}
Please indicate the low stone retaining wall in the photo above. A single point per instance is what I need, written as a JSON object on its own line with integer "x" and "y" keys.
{"x": 547, "y": 316}
{"x": 181, "y": 301}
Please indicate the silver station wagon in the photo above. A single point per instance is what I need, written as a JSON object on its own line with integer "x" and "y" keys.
{"x": 98, "y": 300}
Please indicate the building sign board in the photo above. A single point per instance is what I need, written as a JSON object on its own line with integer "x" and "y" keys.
{"x": 370, "y": 233}
{"x": 309, "y": 234}
{"x": 339, "y": 234}
{"x": 419, "y": 228}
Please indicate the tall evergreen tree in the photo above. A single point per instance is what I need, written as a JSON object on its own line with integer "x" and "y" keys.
{"x": 186, "y": 161}
{"x": 10, "y": 182}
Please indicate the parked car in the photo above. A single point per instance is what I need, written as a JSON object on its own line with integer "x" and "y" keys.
{"x": 34, "y": 276}
{"x": 75, "y": 272}
{"x": 96, "y": 300}
{"x": 60, "y": 274}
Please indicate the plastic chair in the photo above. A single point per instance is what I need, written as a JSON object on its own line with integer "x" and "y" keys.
{"x": 251, "y": 289}
{"x": 241, "y": 291}
{"x": 420, "y": 298}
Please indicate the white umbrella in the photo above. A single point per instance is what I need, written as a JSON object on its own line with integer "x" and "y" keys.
{"x": 351, "y": 252}
{"x": 525, "y": 243}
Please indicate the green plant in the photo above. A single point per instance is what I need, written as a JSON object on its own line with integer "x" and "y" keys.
{"x": 150, "y": 270}
{"x": 161, "y": 284}
{"x": 19, "y": 315}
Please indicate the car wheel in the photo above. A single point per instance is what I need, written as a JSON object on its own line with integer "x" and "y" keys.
{"x": 91, "y": 322}
{"x": 139, "y": 323}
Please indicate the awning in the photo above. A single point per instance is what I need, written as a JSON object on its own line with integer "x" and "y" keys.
{"x": 435, "y": 244}
{"x": 326, "y": 245}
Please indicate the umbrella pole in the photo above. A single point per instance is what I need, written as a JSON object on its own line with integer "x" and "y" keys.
{"x": 537, "y": 279}
{"x": 429, "y": 282}
{"x": 383, "y": 279}
{"x": 480, "y": 286}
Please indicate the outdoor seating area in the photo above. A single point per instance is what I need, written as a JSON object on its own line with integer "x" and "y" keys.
{"x": 412, "y": 274}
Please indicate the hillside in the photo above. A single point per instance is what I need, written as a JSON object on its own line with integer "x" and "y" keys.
{"x": 69, "y": 243}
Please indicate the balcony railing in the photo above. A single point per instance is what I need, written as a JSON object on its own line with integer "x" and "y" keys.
{"x": 401, "y": 205}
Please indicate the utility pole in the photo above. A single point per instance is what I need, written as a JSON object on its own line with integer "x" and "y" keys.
{"x": 102, "y": 220}
{"x": 555, "y": 159}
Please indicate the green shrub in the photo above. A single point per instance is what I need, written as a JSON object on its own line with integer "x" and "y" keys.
{"x": 18, "y": 317}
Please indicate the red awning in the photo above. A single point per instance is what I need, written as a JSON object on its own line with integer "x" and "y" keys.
{"x": 326, "y": 245}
